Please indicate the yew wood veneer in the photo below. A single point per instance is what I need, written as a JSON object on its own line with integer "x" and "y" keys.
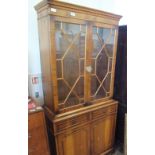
{"x": 78, "y": 55}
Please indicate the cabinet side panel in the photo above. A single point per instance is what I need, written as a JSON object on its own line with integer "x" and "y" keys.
{"x": 44, "y": 42}
{"x": 114, "y": 63}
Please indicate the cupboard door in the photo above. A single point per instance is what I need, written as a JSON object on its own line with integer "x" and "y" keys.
{"x": 102, "y": 133}
{"x": 102, "y": 59}
{"x": 70, "y": 57}
{"x": 75, "y": 142}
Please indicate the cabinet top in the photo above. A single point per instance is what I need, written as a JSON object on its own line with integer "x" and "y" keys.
{"x": 45, "y": 4}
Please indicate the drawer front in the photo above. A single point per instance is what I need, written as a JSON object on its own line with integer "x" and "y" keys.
{"x": 71, "y": 122}
{"x": 104, "y": 111}
{"x": 35, "y": 120}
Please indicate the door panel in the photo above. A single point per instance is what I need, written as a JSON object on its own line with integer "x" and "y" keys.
{"x": 102, "y": 59}
{"x": 70, "y": 58}
{"x": 75, "y": 143}
{"x": 84, "y": 62}
{"x": 103, "y": 134}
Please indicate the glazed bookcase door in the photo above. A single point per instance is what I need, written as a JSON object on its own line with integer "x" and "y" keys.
{"x": 74, "y": 51}
{"x": 70, "y": 58}
{"x": 102, "y": 59}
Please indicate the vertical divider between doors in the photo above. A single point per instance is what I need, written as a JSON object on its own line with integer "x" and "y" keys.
{"x": 53, "y": 64}
{"x": 88, "y": 55}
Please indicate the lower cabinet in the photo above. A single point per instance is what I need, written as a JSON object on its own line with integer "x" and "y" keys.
{"x": 75, "y": 142}
{"x": 87, "y": 133}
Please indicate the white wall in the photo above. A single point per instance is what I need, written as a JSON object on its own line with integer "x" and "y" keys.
{"x": 34, "y": 68}
{"x": 33, "y": 42}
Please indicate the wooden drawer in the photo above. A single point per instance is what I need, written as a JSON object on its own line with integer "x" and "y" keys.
{"x": 104, "y": 111}
{"x": 71, "y": 122}
{"x": 35, "y": 120}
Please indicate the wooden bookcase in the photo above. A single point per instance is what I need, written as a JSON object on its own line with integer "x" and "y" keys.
{"x": 78, "y": 55}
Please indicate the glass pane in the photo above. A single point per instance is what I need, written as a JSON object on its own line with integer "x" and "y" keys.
{"x": 110, "y": 65}
{"x": 82, "y": 45}
{"x": 104, "y": 34}
{"x": 109, "y": 49}
{"x": 94, "y": 29}
{"x": 110, "y": 44}
{"x": 62, "y": 43}
{"x": 96, "y": 45}
{"x": 83, "y": 28}
{"x": 94, "y": 85}
{"x": 71, "y": 29}
{"x": 106, "y": 82}
{"x": 101, "y": 65}
{"x": 58, "y": 26}
{"x": 71, "y": 101}
{"x": 111, "y": 40}
{"x": 93, "y": 66}
{"x": 63, "y": 91}
{"x": 71, "y": 67}
{"x": 70, "y": 50}
{"x": 81, "y": 66}
{"x": 79, "y": 88}
{"x": 102, "y": 54}
{"x": 59, "y": 71}
{"x": 101, "y": 94}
